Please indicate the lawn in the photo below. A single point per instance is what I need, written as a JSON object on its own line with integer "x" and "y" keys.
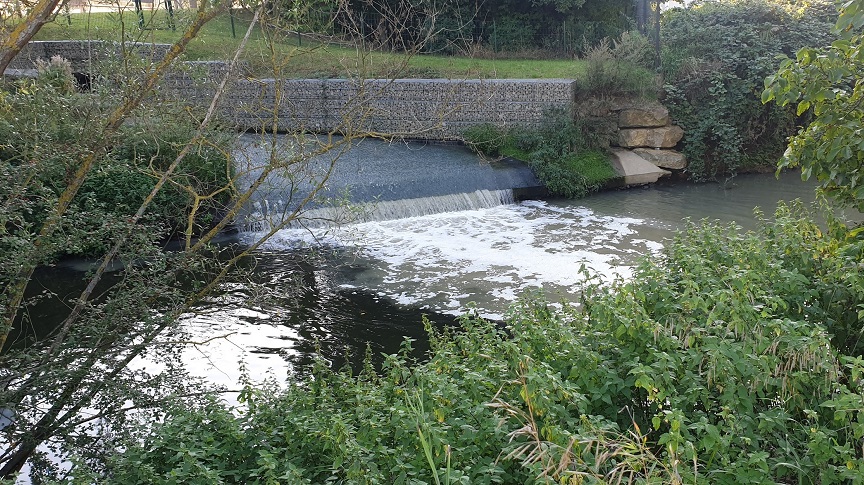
{"x": 305, "y": 58}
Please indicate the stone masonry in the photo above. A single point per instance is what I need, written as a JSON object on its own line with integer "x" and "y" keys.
{"x": 645, "y": 128}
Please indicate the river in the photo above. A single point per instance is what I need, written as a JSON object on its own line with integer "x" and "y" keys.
{"x": 371, "y": 283}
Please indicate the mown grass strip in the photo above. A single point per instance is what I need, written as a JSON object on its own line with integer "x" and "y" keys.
{"x": 308, "y": 58}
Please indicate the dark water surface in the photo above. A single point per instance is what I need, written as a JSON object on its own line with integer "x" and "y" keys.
{"x": 372, "y": 283}
{"x": 380, "y": 277}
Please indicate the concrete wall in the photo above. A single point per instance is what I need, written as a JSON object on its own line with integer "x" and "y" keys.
{"x": 438, "y": 109}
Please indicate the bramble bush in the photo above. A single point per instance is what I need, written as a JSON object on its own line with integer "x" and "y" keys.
{"x": 715, "y": 57}
{"x": 730, "y": 359}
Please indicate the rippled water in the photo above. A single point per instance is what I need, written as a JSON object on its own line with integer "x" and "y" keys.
{"x": 374, "y": 280}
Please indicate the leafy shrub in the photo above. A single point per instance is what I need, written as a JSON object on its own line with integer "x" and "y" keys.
{"x": 713, "y": 364}
{"x": 512, "y": 33}
{"x": 619, "y": 66}
{"x": 572, "y": 175}
{"x": 555, "y": 150}
{"x": 59, "y": 130}
{"x": 485, "y": 139}
{"x": 57, "y": 73}
{"x": 818, "y": 82}
{"x": 560, "y": 157}
{"x": 716, "y": 56}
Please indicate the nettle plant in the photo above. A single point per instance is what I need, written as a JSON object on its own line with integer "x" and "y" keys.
{"x": 726, "y": 360}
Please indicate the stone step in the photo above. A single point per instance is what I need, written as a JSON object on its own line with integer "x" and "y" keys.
{"x": 635, "y": 170}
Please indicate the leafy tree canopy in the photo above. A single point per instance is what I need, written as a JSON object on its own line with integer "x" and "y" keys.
{"x": 715, "y": 58}
{"x": 827, "y": 82}
{"x": 560, "y": 5}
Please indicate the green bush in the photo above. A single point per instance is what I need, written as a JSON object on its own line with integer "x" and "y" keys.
{"x": 513, "y": 33}
{"x": 620, "y": 66}
{"x": 555, "y": 150}
{"x": 715, "y": 58}
{"x": 485, "y": 139}
{"x": 572, "y": 175}
{"x": 57, "y": 73}
{"x": 58, "y": 132}
{"x": 718, "y": 362}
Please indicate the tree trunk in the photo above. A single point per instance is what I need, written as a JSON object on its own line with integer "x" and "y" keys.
{"x": 18, "y": 37}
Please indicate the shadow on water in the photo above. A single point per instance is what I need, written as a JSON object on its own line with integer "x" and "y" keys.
{"x": 298, "y": 295}
{"x": 283, "y": 305}
{"x": 49, "y": 298}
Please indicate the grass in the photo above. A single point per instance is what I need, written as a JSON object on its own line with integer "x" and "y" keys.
{"x": 308, "y": 59}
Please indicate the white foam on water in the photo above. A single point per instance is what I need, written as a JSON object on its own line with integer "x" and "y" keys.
{"x": 487, "y": 256}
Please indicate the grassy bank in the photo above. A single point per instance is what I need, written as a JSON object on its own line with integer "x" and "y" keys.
{"x": 308, "y": 58}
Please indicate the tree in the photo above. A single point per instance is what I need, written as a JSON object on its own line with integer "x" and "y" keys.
{"x": 14, "y": 39}
{"x": 828, "y": 84}
{"x": 57, "y": 149}
{"x": 716, "y": 56}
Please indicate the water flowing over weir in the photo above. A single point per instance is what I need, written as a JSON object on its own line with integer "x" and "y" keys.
{"x": 372, "y": 281}
{"x": 374, "y": 180}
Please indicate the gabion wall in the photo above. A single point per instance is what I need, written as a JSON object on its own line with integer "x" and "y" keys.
{"x": 438, "y": 109}
{"x": 435, "y": 109}
{"x": 81, "y": 53}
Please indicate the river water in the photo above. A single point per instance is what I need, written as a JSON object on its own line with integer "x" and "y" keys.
{"x": 370, "y": 283}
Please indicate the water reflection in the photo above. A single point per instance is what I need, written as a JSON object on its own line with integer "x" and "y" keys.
{"x": 375, "y": 281}
{"x": 292, "y": 308}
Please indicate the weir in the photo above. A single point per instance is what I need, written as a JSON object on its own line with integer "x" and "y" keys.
{"x": 379, "y": 180}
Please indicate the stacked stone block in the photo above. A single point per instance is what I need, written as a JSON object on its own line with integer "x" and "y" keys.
{"x": 647, "y": 130}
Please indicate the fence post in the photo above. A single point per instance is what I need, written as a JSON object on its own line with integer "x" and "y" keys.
{"x": 140, "y": 12}
{"x": 494, "y": 36}
{"x": 170, "y": 8}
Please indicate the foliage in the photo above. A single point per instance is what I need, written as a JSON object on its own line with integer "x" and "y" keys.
{"x": 574, "y": 175}
{"x": 486, "y": 139}
{"x": 715, "y": 57}
{"x": 720, "y": 362}
{"x": 827, "y": 82}
{"x": 59, "y": 128}
{"x": 513, "y": 33}
{"x": 556, "y": 151}
{"x": 619, "y": 67}
{"x": 109, "y": 172}
{"x": 559, "y": 27}
{"x": 56, "y": 72}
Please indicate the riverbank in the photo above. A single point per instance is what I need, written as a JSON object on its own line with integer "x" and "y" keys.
{"x": 312, "y": 57}
{"x": 598, "y": 390}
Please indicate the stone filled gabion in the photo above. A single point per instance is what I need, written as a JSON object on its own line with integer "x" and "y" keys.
{"x": 421, "y": 108}
{"x": 439, "y": 109}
